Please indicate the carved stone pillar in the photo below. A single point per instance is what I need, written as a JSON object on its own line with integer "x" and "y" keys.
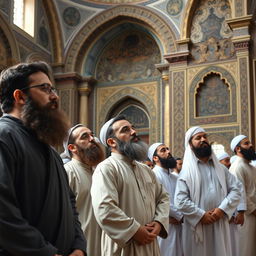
{"x": 241, "y": 39}
{"x": 66, "y": 84}
{"x": 177, "y": 69}
{"x": 83, "y": 108}
{"x": 164, "y": 69}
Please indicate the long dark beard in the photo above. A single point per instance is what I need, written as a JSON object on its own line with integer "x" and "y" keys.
{"x": 249, "y": 154}
{"x": 167, "y": 163}
{"x": 50, "y": 125}
{"x": 133, "y": 150}
{"x": 203, "y": 150}
{"x": 91, "y": 155}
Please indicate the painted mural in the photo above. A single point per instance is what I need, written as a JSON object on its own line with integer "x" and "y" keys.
{"x": 210, "y": 33}
{"x": 174, "y": 7}
{"x": 136, "y": 116}
{"x": 213, "y": 97}
{"x": 129, "y": 57}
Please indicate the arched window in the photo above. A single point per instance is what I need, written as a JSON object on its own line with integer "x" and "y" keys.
{"x": 24, "y": 15}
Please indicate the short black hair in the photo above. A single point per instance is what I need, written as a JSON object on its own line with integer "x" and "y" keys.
{"x": 238, "y": 145}
{"x": 17, "y": 77}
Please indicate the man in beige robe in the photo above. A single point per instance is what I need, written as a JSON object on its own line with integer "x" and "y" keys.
{"x": 130, "y": 205}
{"x": 85, "y": 153}
{"x": 246, "y": 173}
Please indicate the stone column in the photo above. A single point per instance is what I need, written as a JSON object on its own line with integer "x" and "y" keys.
{"x": 164, "y": 69}
{"x": 177, "y": 85}
{"x": 241, "y": 39}
{"x": 83, "y": 108}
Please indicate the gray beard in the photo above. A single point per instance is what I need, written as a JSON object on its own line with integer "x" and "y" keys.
{"x": 133, "y": 150}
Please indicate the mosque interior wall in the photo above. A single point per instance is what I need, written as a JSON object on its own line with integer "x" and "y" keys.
{"x": 167, "y": 65}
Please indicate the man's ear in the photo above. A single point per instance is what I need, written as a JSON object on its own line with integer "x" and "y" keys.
{"x": 111, "y": 142}
{"x": 155, "y": 159}
{"x": 72, "y": 148}
{"x": 19, "y": 97}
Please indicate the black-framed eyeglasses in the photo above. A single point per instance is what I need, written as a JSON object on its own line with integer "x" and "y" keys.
{"x": 47, "y": 88}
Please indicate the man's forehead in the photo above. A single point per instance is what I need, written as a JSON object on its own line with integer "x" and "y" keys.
{"x": 161, "y": 147}
{"x": 121, "y": 123}
{"x": 245, "y": 140}
{"x": 199, "y": 134}
{"x": 38, "y": 78}
{"x": 80, "y": 130}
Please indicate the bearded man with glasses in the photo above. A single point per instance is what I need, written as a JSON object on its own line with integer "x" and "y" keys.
{"x": 38, "y": 215}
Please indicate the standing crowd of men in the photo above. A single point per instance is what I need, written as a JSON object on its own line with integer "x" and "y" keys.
{"x": 84, "y": 203}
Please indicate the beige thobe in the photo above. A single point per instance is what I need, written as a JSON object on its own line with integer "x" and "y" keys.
{"x": 80, "y": 181}
{"x": 125, "y": 196}
{"x": 246, "y": 173}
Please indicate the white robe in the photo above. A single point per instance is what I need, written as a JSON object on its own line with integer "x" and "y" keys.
{"x": 125, "y": 196}
{"x": 216, "y": 236}
{"x": 246, "y": 173}
{"x": 80, "y": 180}
{"x": 171, "y": 246}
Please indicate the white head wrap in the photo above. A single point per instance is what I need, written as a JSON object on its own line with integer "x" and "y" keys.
{"x": 222, "y": 155}
{"x": 235, "y": 141}
{"x": 152, "y": 150}
{"x": 191, "y": 175}
{"x": 103, "y": 131}
{"x": 191, "y": 132}
{"x": 65, "y": 155}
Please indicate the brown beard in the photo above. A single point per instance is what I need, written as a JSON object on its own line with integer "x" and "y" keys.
{"x": 50, "y": 124}
{"x": 91, "y": 155}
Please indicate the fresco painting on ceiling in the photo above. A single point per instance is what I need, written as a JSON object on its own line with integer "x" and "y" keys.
{"x": 174, "y": 7}
{"x": 71, "y": 16}
{"x": 128, "y": 57}
{"x": 210, "y": 33}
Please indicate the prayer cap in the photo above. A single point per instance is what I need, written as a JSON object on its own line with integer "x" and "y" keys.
{"x": 66, "y": 155}
{"x": 236, "y": 141}
{"x": 152, "y": 150}
{"x": 222, "y": 155}
{"x": 103, "y": 131}
{"x": 191, "y": 132}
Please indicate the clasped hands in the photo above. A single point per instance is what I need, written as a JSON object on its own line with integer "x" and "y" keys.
{"x": 212, "y": 216}
{"x": 148, "y": 233}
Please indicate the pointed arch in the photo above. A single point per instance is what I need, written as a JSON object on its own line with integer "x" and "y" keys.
{"x": 151, "y": 19}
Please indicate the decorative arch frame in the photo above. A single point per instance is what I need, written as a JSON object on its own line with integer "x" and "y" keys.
{"x": 55, "y": 31}
{"x": 222, "y": 139}
{"x": 80, "y": 45}
{"x": 135, "y": 94}
{"x": 188, "y": 15}
{"x": 195, "y": 84}
{"x": 12, "y": 42}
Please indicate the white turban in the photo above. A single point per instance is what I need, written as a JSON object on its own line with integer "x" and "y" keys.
{"x": 222, "y": 155}
{"x": 66, "y": 155}
{"x": 191, "y": 175}
{"x": 236, "y": 141}
{"x": 152, "y": 150}
{"x": 191, "y": 132}
{"x": 103, "y": 131}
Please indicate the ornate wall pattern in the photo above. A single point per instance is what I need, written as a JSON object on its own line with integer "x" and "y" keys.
{"x": 178, "y": 115}
{"x": 130, "y": 56}
{"x": 146, "y": 93}
{"x": 213, "y": 97}
{"x": 244, "y": 96}
{"x": 65, "y": 101}
{"x": 223, "y": 136}
{"x": 212, "y": 119}
{"x": 210, "y": 34}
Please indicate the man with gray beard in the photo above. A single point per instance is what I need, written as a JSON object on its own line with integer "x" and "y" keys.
{"x": 85, "y": 154}
{"x": 129, "y": 203}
